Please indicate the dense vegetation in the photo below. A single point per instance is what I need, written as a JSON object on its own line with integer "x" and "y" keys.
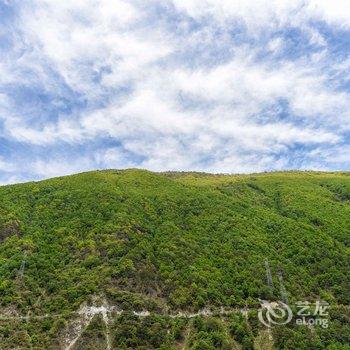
{"x": 173, "y": 241}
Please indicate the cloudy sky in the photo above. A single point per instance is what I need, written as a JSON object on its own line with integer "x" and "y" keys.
{"x": 210, "y": 85}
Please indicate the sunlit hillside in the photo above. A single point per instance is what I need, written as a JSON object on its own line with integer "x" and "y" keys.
{"x": 158, "y": 245}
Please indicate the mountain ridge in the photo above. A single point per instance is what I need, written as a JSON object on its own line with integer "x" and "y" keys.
{"x": 153, "y": 241}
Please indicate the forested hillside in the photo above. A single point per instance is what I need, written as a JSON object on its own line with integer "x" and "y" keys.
{"x": 170, "y": 243}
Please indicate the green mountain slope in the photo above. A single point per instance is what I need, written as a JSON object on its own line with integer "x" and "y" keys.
{"x": 170, "y": 241}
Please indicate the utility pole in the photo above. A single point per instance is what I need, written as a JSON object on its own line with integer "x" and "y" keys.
{"x": 21, "y": 269}
{"x": 282, "y": 288}
{"x": 23, "y": 265}
{"x": 268, "y": 275}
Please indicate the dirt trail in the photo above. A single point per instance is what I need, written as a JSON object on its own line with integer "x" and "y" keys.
{"x": 86, "y": 313}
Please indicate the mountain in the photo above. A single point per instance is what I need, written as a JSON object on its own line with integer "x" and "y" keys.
{"x": 130, "y": 259}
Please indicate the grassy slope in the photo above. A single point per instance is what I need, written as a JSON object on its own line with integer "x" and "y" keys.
{"x": 185, "y": 240}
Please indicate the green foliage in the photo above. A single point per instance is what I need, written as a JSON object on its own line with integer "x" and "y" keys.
{"x": 153, "y": 332}
{"x": 241, "y": 331}
{"x": 209, "y": 334}
{"x": 178, "y": 240}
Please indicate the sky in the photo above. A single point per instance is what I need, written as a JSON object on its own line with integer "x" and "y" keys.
{"x": 220, "y": 86}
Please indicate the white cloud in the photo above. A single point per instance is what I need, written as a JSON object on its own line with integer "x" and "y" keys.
{"x": 63, "y": 130}
{"x": 6, "y": 166}
{"x": 339, "y": 155}
{"x": 253, "y": 13}
{"x": 83, "y": 38}
{"x": 179, "y": 98}
{"x": 113, "y": 158}
{"x": 336, "y": 12}
{"x": 263, "y": 14}
{"x": 60, "y": 166}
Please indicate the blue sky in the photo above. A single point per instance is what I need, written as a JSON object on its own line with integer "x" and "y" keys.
{"x": 206, "y": 85}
